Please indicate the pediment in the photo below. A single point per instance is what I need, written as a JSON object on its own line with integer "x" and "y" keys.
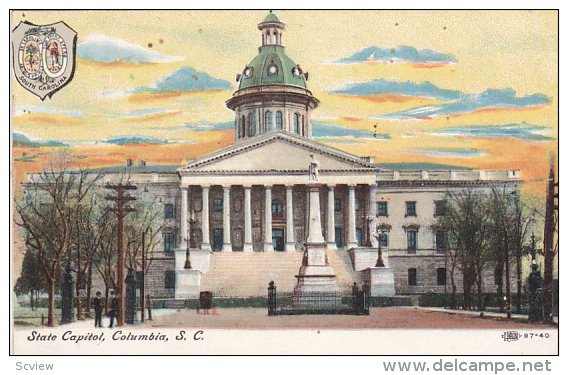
{"x": 277, "y": 152}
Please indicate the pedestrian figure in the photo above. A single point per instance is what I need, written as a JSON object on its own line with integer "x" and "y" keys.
{"x": 113, "y": 308}
{"x": 98, "y": 304}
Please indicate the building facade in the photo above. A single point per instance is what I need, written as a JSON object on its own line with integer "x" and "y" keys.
{"x": 242, "y": 210}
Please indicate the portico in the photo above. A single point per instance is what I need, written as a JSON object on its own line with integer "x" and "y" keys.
{"x": 265, "y": 209}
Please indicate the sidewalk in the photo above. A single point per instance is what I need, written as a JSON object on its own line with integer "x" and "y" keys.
{"x": 90, "y": 322}
{"x": 490, "y": 314}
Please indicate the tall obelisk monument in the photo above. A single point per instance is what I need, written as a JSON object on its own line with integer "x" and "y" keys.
{"x": 315, "y": 275}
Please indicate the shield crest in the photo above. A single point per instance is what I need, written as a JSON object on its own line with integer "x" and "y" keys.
{"x": 43, "y": 57}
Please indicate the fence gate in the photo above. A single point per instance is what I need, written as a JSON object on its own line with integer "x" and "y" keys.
{"x": 355, "y": 303}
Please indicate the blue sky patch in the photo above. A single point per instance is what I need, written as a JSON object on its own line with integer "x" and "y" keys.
{"x": 525, "y": 132}
{"x": 327, "y": 130}
{"x": 185, "y": 79}
{"x": 106, "y": 49}
{"x": 491, "y": 98}
{"x": 381, "y": 86}
{"x": 132, "y": 139}
{"x": 450, "y": 152}
{"x": 405, "y": 54}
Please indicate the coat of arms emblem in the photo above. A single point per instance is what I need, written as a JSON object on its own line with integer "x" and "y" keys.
{"x": 43, "y": 57}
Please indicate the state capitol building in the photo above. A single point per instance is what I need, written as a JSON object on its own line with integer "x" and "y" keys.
{"x": 245, "y": 207}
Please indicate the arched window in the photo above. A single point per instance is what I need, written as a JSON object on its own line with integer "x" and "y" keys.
{"x": 303, "y": 126}
{"x": 251, "y": 125}
{"x": 297, "y": 123}
{"x": 279, "y": 120}
{"x": 242, "y": 126}
{"x": 268, "y": 121}
{"x": 276, "y": 206}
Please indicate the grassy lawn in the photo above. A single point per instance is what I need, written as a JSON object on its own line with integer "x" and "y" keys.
{"x": 24, "y": 316}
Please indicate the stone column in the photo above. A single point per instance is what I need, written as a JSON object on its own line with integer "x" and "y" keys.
{"x": 351, "y": 227}
{"x": 268, "y": 218}
{"x": 227, "y": 219}
{"x": 372, "y": 210}
{"x": 290, "y": 242}
{"x": 331, "y": 218}
{"x": 205, "y": 243}
{"x": 183, "y": 224}
{"x": 247, "y": 246}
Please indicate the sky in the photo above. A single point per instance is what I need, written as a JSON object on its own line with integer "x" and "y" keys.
{"x": 476, "y": 89}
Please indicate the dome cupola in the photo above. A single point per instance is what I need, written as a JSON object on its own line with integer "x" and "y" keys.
{"x": 273, "y": 93}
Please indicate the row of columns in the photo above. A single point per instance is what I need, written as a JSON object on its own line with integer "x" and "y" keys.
{"x": 267, "y": 239}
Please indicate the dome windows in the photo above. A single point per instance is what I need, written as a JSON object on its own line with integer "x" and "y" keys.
{"x": 248, "y": 72}
{"x": 297, "y": 71}
{"x": 272, "y": 70}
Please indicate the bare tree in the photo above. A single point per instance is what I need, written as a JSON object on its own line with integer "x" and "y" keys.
{"x": 466, "y": 225}
{"x": 143, "y": 228}
{"x": 46, "y": 213}
{"x": 91, "y": 225}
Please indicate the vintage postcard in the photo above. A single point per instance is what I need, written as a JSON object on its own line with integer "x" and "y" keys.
{"x": 284, "y": 182}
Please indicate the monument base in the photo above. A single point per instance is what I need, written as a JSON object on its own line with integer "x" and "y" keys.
{"x": 187, "y": 284}
{"x": 316, "y": 280}
{"x": 380, "y": 280}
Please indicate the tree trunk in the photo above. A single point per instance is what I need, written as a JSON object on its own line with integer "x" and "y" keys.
{"x": 89, "y": 289}
{"x": 519, "y": 284}
{"x": 78, "y": 296}
{"x": 499, "y": 271}
{"x": 508, "y": 283}
{"x": 465, "y": 305}
{"x": 453, "y": 302}
{"x": 32, "y": 299}
{"x": 106, "y": 296}
{"x": 480, "y": 304}
{"x": 50, "y": 297}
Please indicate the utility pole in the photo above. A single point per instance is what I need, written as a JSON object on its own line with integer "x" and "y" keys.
{"x": 143, "y": 281}
{"x": 120, "y": 209}
{"x": 549, "y": 251}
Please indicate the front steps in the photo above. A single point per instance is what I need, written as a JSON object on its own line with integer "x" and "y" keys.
{"x": 239, "y": 274}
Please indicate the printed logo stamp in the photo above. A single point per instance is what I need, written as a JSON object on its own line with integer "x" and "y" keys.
{"x": 43, "y": 57}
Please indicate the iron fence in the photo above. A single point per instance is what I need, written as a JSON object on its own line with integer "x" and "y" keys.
{"x": 355, "y": 303}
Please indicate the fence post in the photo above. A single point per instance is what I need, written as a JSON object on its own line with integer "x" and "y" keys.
{"x": 366, "y": 298}
{"x": 271, "y": 298}
{"x": 149, "y": 307}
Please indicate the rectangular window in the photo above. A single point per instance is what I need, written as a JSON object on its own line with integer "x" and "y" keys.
{"x": 410, "y": 208}
{"x": 412, "y": 276}
{"x": 439, "y": 208}
{"x": 170, "y": 279}
{"x": 441, "y": 276}
{"x": 169, "y": 241}
{"x": 441, "y": 241}
{"x": 384, "y": 239}
{"x": 168, "y": 211}
{"x": 217, "y": 205}
{"x": 382, "y": 209}
{"x": 411, "y": 240}
{"x": 338, "y": 204}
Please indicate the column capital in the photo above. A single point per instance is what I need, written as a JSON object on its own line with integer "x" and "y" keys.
{"x": 351, "y": 186}
{"x": 330, "y": 186}
{"x": 226, "y": 187}
{"x": 268, "y": 187}
{"x": 205, "y": 187}
{"x": 290, "y": 186}
{"x": 247, "y": 186}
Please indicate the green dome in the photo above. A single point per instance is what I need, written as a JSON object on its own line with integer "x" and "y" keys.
{"x": 272, "y": 67}
{"x": 270, "y": 18}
